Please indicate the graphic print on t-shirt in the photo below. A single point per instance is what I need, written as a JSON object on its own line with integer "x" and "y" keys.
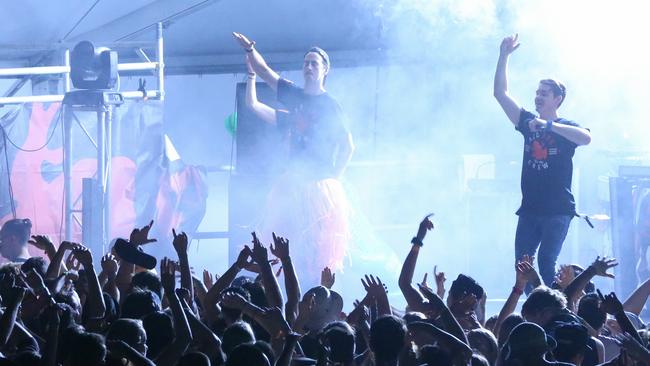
{"x": 541, "y": 146}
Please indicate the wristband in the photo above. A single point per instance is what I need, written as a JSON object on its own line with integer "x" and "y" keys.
{"x": 417, "y": 241}
{"x": 249, "y": 50}
{"x": 517, "y": 290}
{"x": 549, "y": 125}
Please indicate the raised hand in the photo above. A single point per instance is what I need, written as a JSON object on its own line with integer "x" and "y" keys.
{"x": 440, "y": 281}
{"x": 610, "y": 303}
{"x": 601, "y": 265}
{"x": 327, "y": 278}
{"x": 168, "y": 275}
{"x": 425, "y": 225}
{"x": 141, "y": 236}
{"x": 374, "y": 287}
{"x": 281, "y": 248}
{"x": 109, "y": 265}
{"x": 242, "y": 258}
{"x": 523, "y": 270}
{"x": 83, "y": 255}
{"x": 67, "y": 245}
{"x": 180, "y": 242}
{"x": 71, "y": 263}
{"x": 244, "y": 42}
{"x": 259, "y": 253}
{"x": 42, "y": 242}
{"x": 510, "y": 44}
{"x": 233, "y": 300}
{"x": 208, "y": 279}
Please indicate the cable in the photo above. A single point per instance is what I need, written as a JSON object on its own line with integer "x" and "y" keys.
{"x": 182, "y": 12}
{"x": 10, "y": 187}
{"x": 58, "y": 119}
{"x": 80, "y": 20}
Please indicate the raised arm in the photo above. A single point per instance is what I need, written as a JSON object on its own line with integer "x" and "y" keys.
{"x": 257, "y": 61}
{"x": 183, "y": 334}
{"x": 13, "y": 298}
{"x": 598, "y": 268}
{"x": 95, "y": 301}
{"x": 413, "y": 298}
{"x": 263, "y": 111}
{"x": 180, "y": 245}
{"x": 521, "y": 269}
{"x": 108, "y": 275}
{"x": 611, "y": 305}
{"x": 261, "y": 256}
{"x": 207, "y": 341}
{"x": 509, "y": 105}
{"x": 638, "y": 298}
{"x": 375, "y": 288}
{"x": 291, "y": 284}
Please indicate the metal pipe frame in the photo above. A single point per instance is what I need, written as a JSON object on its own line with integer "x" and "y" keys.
{"x": 64, "y": 71}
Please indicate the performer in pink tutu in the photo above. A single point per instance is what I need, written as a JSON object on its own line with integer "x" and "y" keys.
{"x": 307, "y": 204}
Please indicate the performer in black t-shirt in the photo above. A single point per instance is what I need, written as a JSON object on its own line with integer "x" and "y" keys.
{"x": 547, "y": 205}
{"x": 307, "y": 203}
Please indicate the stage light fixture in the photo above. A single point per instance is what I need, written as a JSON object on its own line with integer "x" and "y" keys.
{"x": 93, "y": 68}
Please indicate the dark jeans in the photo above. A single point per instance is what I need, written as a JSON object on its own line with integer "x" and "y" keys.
{"x": 545, "y": 232}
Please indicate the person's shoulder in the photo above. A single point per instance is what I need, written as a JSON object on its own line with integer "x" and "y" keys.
{"x": 286, "y": 83}
{"x": 526, "y": 115}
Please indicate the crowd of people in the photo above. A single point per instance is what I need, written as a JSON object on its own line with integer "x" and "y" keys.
{"x": 60, "y": 309}
{"x": 135, "y": 309}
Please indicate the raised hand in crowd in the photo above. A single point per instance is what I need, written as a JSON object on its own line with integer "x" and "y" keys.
{"x": 181, "y": 244}
{"x": 280, "y": 249}
{"x": 599, "y": 267}
{"x": 377, "y": 292}
{"x": 261, "y": 256}
{"x": 95, "y": 308}
{"x": 208, "y": 279}
{"x": 612, "y": 305}
{"x": 140, "y": 236}
{"x": 327, "y": 278}
{"x": 108, "y": 275}
{"x": 414, "y": 299}
{"x": 440, "y": 282}
{"x": 56, "y": 268}
{"x": 183, "y": 334}
{"x": 44, "y": 243}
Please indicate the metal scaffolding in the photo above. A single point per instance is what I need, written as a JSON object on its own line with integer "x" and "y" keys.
{"x": 97, "y": 211}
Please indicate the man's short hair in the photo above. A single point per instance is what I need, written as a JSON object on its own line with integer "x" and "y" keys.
{"x": 463, "y": 285}
{"x": 543, "y": 298}
{"x": 387, "y": 337}
{"x": 147, "y": 280}
{"x": 557, "y": 88}
{"x": 589, "y": 310}
{"x": 21, "y": 228}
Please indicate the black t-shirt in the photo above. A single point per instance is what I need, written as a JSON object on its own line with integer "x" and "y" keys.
{"x": 546, "y": 171}
{"x": 315, "y": 124}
